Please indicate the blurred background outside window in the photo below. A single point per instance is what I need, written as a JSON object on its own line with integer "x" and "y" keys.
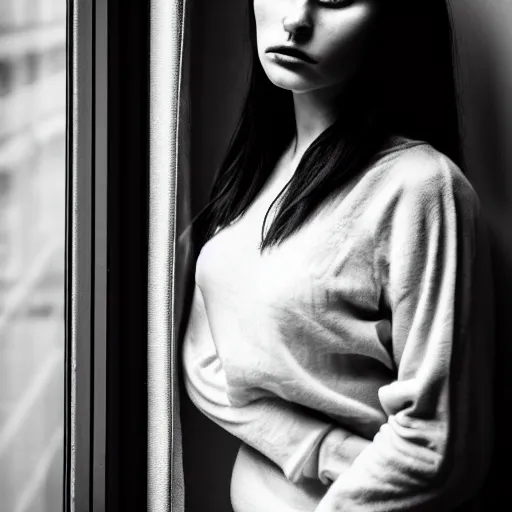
{"x": 32, "y": 220}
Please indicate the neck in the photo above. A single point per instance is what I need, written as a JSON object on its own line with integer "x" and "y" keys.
{"x": 314, "y": 112}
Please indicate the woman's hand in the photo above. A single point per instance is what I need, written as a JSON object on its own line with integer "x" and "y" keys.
{"x": 337, "y": 452}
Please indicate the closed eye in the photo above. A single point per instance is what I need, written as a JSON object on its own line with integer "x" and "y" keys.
{"x": 336, "y": 3}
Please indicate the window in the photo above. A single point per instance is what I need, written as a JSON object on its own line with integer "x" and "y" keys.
{"x": 32, "y": 246}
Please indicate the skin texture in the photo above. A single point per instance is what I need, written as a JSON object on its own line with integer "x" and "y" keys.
{"x": 331, "y": 32}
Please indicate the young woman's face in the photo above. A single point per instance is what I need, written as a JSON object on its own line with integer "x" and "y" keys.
{"x": 329, "y": 33}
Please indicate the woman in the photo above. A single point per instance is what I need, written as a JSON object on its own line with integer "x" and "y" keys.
{"x": 341, "y": 324}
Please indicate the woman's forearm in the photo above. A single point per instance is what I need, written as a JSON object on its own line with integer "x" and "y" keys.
{"x": 284, "y": 432}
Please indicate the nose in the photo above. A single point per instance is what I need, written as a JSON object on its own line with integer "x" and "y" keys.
{"x": 298, "y": 20}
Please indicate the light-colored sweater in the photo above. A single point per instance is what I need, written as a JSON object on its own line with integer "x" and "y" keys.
{"x": 374, "y": 321}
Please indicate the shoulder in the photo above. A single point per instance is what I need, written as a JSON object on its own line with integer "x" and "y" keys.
{"x": 415, "y": 191}
{"x": 421, "y": 176}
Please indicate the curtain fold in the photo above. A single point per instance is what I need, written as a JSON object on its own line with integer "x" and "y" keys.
{"x": 168, "y": 143}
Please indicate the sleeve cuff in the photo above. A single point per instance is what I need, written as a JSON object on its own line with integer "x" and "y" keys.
{"x": 347, "y": 450}
{"x": 304, "y": 462}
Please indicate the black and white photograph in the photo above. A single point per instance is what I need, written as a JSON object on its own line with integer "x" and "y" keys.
{"x": 255, "y": 255}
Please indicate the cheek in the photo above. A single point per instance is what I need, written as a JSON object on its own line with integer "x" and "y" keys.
{"x": 344, "y": 38}
{"x": 264, "y": 14}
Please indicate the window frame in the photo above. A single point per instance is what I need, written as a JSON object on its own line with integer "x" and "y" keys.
{"x": 126, "y": 133}
{"x": 85, "y": 307}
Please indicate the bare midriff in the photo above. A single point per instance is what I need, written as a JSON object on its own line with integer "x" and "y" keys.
{"x": 258, "y": 485}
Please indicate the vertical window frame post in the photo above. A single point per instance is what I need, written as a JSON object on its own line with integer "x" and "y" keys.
{"x": 86, "y": 257}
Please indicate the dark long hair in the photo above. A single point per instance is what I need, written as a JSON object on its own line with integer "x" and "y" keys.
{"x": 407, "y": 88}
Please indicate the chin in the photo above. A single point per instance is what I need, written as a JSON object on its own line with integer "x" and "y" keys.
{"x": 290, "y": 81}
{"x": 294, "y": 87}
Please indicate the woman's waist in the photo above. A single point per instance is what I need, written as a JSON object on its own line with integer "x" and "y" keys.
{"x": 354, "y": 409}
{"x": 258, "y": 485}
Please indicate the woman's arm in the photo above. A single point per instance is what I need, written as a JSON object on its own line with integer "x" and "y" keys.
{"x": 282, "y": 431}
{"x": 434, "y": 451}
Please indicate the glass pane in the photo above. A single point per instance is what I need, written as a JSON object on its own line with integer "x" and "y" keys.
{"x": 32, "y": 213}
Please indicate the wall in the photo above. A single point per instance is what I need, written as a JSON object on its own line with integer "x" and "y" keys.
{"x": 484, "y": 41}
{"x": 218, "y": 65}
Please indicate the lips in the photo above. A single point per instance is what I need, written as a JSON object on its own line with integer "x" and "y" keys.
{"x": 292, "y": 52}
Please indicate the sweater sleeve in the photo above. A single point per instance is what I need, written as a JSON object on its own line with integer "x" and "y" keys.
{"x": 432, "y": 261}
{"x": 282, "y": 431}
